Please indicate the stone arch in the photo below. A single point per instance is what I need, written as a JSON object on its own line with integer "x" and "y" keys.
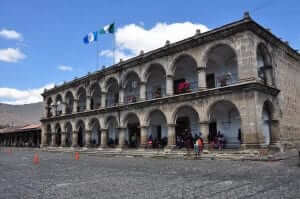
{"x": 81, "y": 96}
{"x": 264, "y": 63}
{"x": 225, "y": 120}
{"x": 155, "y": 78}
{"x": 221, "y": 65}
{"x": 112, "y": 127}
{"x": 58, "y": 132}
{"x": 185, "y": 74}
{"x": 95, "y": 93}
{"x": 81, "y": 130}
{"x": 95, "y": 127}
{"x": 133, "y": 134}
{"x": 69, "y": 132}
{"x": 156, "y": 121}
{"x": 112, "y": 88}
{"x": 267, "y": 126}
{"x": 131, "y": 85}
{"x": 186, "y": 120}
{"x": 69, "y": 102}
{"x": 209, "y": 47}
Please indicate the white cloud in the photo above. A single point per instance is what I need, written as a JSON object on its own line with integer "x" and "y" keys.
{"x": 10, "y": 34}
{"x": 64, "y": 68}
{"x": 16, "y": 96}
{"x": 119, "y": 54}
{"x": 11, "y": 55}
{"x": 132, "y": 38}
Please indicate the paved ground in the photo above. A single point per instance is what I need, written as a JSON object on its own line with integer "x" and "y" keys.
{"x": 59, "y": 175}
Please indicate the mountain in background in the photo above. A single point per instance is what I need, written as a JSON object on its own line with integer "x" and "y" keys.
{"x": 19, "y": 115}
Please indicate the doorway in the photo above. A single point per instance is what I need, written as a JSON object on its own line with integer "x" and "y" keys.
{"x": 134, "y": 135}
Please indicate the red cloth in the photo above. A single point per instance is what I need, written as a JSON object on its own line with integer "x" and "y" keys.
{"x": 183, "y": 86}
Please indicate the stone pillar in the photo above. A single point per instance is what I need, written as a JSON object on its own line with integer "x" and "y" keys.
{"x": 143, "y": 91}
{"x": 204, "y": 129}
{"x": 269, "y": 75}
{"x": 53, "y": 137}
{"x": 275, "y": 132}
{"x": 88, "y": 103}
{"x": 144, "y": 137}
{"x": 169, "y": 85}
{"x": 201, "y": 78}
{"x": 122, "y": 137}
{"x": 88, "y": 138}
{"x": 63, "y": 139}
{"x": 171, "y": 136}
{"x": 104, "y": 138}
{"x": 75, "y": 139}
{"x": 121, "y": 96}
{"x": 44, "y": 135}
{"x": 103, "y": 99}
{"x": 252, "y": 136}
{"x": 75, "y": 105}
{"x": 64, "y": 108}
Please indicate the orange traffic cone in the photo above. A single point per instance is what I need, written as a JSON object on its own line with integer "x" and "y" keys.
{"x": 36, "y": 159}
{"x": 76, "y": 155}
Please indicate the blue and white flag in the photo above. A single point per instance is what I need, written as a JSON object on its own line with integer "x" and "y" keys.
{"x": 91, "y": 37}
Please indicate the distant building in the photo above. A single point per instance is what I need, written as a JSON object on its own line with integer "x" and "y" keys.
{"x": 24, "y": 136}
{"x": 239, "y": 80}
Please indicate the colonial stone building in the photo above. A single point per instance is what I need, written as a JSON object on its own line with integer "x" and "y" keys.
{"x": 238, "y": 79}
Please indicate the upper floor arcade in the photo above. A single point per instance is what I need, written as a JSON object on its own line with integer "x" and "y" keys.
{"x": 224, "y": 57}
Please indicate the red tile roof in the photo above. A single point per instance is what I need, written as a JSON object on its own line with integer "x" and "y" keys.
{"x": 21, "y": 129}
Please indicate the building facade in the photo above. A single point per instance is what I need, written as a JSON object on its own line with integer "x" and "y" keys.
{"x": 239, "y": 80}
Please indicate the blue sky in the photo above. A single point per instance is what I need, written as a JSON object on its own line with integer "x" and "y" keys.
{"x": 49, "y": 34}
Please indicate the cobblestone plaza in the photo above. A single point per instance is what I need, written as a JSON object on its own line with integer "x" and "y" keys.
{"x": 59, "y": 175}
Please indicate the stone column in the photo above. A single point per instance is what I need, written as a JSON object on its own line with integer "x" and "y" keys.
{"x": 169, "y": 85}
{"x": 143, "y": 91}
{"x": 171, "y": 136}
{"x": 75, "y": 105}
{"x": 88, "y": 138}
{"x": 103, "y": 99}
{"x": 64, "y": 107}
{"x": 201, "y": 78}
{"x": 88, "y": 103}
{"x": 275, "y": 132}
{"x": 75, "y": 139}
{"x": 144, "y": 137}
{"x": 204, "y": 129}
{"x": 251, "y": 133}
{"x": 44, "y": 135}
{"x": 269, "y": 75}
{"x": 53, "y": 137}
{"x": 104, "y": 138}
{"x": 121, "y": 96}
{"x": 63, "y": 139}
{"x": 122, "y": 137}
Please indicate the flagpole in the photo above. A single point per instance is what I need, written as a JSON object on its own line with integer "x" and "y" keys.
{"x": 97, "y": 49}
{"x": 114, "y": 44}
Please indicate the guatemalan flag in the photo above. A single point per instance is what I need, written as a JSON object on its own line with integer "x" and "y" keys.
{"x": 91, "y": 37}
